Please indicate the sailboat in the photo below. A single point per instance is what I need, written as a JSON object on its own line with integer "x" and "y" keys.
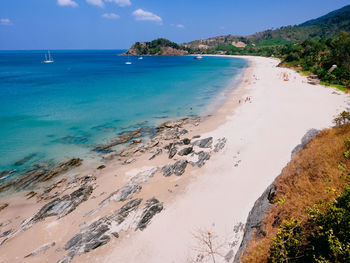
{"x": 128, "y": 62}
{"x": 48, "y": 58}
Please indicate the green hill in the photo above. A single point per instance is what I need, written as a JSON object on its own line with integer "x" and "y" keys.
{"x": 327, "y": 26}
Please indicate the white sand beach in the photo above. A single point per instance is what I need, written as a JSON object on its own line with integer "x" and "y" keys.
{"x": 260, "y": 135}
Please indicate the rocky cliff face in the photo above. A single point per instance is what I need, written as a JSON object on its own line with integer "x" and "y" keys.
{"x": 254, "y": 227}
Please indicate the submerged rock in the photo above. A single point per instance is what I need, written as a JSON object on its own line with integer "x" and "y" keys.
{"x": 72, "y": 140}
{"x": 24, "y": 160}
{"x": 40, "y": 173}
{"x": 6, "y": 174}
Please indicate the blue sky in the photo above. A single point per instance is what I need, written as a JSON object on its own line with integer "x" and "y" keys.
{"x": 116, "y": 24}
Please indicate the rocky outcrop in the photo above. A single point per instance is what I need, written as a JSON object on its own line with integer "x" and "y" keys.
{"x": 220, "y": 144}
{"x": 59, "y": 207}
{"x": 3, "y": 206}
{"x": 101, "y": 231}
{"x": 39, "y": 173}
{"x": 202, "y": 158}
{"x": 186, "y": 151}
{"x": 309, "y": 135}
{"x": 152, "y": 207}
{"x": 98, "y": 233}
{"x": 177, "y": 168}
{"x": 204, "y": 143}
{"x": 41, "y": 250}
{"x": 254, "y": 226}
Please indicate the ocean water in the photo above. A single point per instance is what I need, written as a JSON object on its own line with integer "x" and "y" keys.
{"x": 62, "y": 110}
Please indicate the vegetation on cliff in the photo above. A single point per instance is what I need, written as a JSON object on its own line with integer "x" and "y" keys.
{"x": 310, "y": 217}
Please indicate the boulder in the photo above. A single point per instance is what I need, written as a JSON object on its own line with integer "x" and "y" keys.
{"x": 204, "y": 143}
{"x": 185, "y": 151}
{"x": 179, "y": 167}
{"x": 167, "y": 170}
{"x": 152, "y": 207}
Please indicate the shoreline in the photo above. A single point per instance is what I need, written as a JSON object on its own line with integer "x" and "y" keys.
{"x": 93, "y": 157}
{"x": 199, "y": 199}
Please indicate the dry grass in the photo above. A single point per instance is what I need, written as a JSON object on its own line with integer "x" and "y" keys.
{"x": 311, "y": 177}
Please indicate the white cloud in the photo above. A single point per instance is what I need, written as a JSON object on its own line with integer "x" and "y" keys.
{"x": 143, "y": 15}
{"x": 120, "y": 2}
{"x": 96, "y": 2}
{"x": 67, "y": 3}
{"x": 5, "y": 22}
{"x": 111, "y": 16}
{"x": 180, "y": 26}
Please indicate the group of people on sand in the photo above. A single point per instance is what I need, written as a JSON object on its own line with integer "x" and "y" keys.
{"x": 247, "y": 99}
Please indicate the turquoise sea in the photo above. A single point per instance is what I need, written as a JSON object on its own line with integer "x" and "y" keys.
{"x": 62, "y": 110}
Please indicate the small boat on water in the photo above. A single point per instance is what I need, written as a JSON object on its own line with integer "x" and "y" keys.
{"x": 140, "y": 58}
{"x": 198, "y": 57}
{"x": 48, "y": 58}
{"x": 128, "y": 63}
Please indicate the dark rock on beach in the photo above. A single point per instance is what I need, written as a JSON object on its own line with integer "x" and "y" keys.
{"x": 177, "y": 168}
{"x": 220, "y": 144}
{"x": 159, "y": 151}
{"x": 3, "y": 206}
{"x": 152, "y": 207}
{"x": 172, "y": 152}
{"x": 204, "y": 143}
{"x": 98, "y": 233}
{"x": 59, "y": 207}
{"x": 186, "y": 141}
{"x": 185, "y": 151}
{"x": 167, "y": 170}
{"x": 202, "y": 158}
{"x": 41, "y": 249}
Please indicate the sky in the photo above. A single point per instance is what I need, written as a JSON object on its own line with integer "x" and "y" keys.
{"x": 117, "y": 24}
